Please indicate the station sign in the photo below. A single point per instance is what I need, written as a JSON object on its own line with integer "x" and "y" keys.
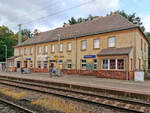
{"x": 89, "y": 56}
{"x": 28, "y": 58}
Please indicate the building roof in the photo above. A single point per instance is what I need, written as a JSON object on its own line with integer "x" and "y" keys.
{"x": 100, "y": 25}
{"x": 115, "y": 51}
{"x": 13, "y": 57}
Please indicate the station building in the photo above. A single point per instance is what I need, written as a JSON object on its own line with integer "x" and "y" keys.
{"x": 110, "y": 47}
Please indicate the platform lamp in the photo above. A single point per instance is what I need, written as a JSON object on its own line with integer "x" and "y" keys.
{"x": 6, "y": 56}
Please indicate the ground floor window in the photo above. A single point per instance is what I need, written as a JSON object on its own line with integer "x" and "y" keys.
{"x": 69, "y": 64}
{"x": 83, "y": 64}
{"x": 39, "y": 64}
{"x": 45, "y": 64}
{"x": 113, "y": 64}
{"x": 95, "y": 64}
{"x": 105, "y": 64}
{"x": 11, "y": 64}
{"x": 31, "y": 64}
{"x": 60, "y": 62}
{"x": 120, "y": 64}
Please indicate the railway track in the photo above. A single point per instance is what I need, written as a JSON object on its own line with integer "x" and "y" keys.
{"x": 113, "y": 103}
{"x": 16, "y": 106}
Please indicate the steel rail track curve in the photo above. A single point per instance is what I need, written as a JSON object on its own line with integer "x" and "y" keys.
{"x": 71, "y": 97}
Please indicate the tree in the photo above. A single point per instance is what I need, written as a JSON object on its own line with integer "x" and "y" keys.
{"x": 6, "y": 38}
{"x": 26, "y": 33}
{"x": 131, "y": 17}
{"x": 72, "y": 21}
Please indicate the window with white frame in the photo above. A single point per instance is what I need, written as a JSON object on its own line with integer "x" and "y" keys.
{"x": 60, "y": 47}
{"x": 83, "y": 44}
{"x": 25, "y": 51}
{"x": 31, "y": 50}
{"x": 69, "y": 46}
{"x": 45, "y": 49}
{"x": 105, "y": 64}
{"x": 120, "y": 64}
{"x": 39, "y": 64}
{"x": 39, "y": 49}
{"x": 60, "y": 62}
{"x": 111, "y": 42}
{"x": 83, "y": 64}
{"x": 52, "y": 48}
{"x": 45, "y": 64}
{"x": 113, "y": 64}
{"x": 11, "y": 64}
{"x": 95, "y": 64}
{"x": 69, "y": 63}
{"x": 31, "y": 64}
{"x": 96, "y": 43}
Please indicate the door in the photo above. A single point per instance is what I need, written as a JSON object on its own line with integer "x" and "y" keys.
{"x": 25, "y": 64}
{"x": 18, "y": 64}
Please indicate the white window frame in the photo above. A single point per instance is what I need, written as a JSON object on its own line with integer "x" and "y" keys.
{"x": 31, "y": 50}
{"x": 25, "y": 51}
{"x": 69, "y": 46}
{"x": 96, "y": 44}
{"x": 11, "y": 64}
{"x": 45, "y": 49}
{"x": 111, "y": 42}
{"x": 60, "y": 47}
{"x": 83, "y": 63}
{"x": 95, "y": 64}
{"x": 83, "y": 44}
{"x": 52, "y": 48}
{"x": 39, "y": 49}
{"x": 69, "y": 64}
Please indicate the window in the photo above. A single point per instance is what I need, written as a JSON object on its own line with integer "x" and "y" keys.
{"x": 95, "y": 64}
{"x": 45, "y": 49}
{"x": 19, "y": 51}
{"x": 60, "y": 47}
{"x": 45, "y": 64}
{"x": 141, "y": 44}
{"x": 120, "y": 64}
{"x": 39, "y": 64}
{"x": 25, "y": 51}
{"x": 31, "y": 50}
{"x": 31, "y": 64}
{"x": 52, "y": 48}
{"x": 105, "y": 64}
{"x": 39, "y": 49}
{"x": 111, "y": 42}
{"x": 83, "y": 43}
{"x": 96, "y": 43}
{"x": 69, "y": 63}
{"x": 11, "y": 64}
{"x": 112, "y": 64}
{"x": 83, "y": 64}
{"x": 69, "y": 46}
{"x": 131, "y": 63}
{"x": 60, "y": 62}
{"x": 144, "y": 47}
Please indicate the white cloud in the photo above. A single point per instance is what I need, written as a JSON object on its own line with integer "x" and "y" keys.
{"x": 100, "y": 6}
{"x": 146, "y": 22}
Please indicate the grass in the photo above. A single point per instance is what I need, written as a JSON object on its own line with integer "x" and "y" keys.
{"x": 13, "y": 94}
{"x": 55, "y": 103}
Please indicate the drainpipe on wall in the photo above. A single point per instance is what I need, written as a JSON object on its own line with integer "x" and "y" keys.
{"x": 76, "y": 52}
{"x": 127, "y": 74}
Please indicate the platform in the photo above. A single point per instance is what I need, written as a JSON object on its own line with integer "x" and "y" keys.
{"x": 90, "y": 81}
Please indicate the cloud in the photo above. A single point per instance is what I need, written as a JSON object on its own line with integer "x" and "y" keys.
{"x": 146, "y": 22}
{"x": 15, "y": 12}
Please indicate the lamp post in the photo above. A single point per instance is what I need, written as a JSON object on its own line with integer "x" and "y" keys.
{"x": 6, "y": 56}
{"x": 58, "y": 71}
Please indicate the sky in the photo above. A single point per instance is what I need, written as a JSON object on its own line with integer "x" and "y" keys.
{"x": 49, "y": 14}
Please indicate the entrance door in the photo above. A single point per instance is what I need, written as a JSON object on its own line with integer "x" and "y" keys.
{"x": 25, "y": 64}
{"x": 18, "y": 64}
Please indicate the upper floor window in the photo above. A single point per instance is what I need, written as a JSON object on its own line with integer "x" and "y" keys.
{"x": 31, "y": 50}
{"x": 96, "y": 43}
{"x": 60, "y": 47}
{"x": 45, "y": 49}
{"x": 69, "y": 46}
{"x": 25, "y": 51}
{"x": 83, "y": 43}
{"x": 111, "y": 42}
{"x": 52, "y": 48}
{"x": 39, "y": 49}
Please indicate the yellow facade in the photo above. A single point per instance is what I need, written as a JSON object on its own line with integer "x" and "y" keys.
{"x": 125, "y": 38}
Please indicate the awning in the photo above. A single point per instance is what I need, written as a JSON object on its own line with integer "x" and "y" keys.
{"x": 13, "y": 57}
{"x": 115, "y": 51}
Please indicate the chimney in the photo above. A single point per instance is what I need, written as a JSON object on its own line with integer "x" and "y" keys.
{"x": 66, "y": 25}
{"x": 36, "y": 32}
